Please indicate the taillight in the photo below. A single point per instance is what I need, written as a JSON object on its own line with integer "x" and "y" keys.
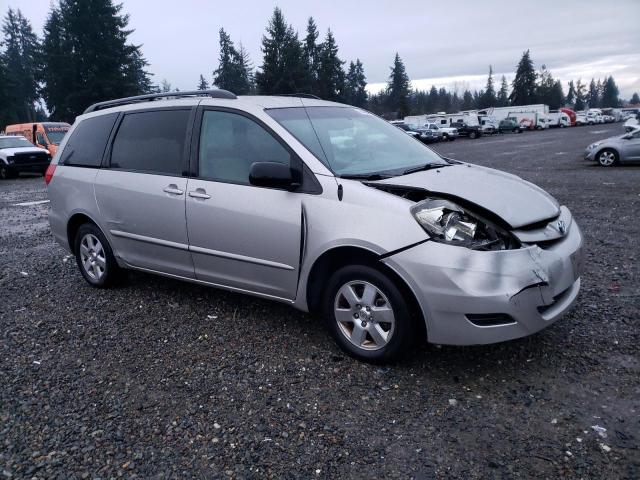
{"x": 48, "y": 175}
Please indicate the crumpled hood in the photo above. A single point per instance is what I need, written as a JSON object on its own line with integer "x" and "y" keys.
{"x": 11, "y": 151}
{"x": 514, "y": 200}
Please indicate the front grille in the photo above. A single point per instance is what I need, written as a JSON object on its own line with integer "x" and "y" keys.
{"x": 36, "y": 158}
{"x": 490, "y": 319}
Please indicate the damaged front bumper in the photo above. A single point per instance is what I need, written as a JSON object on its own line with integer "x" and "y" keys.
{"x": 476, "y": 297}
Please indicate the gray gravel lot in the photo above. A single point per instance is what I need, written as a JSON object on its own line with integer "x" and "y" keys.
{"x": 163, "y": 379}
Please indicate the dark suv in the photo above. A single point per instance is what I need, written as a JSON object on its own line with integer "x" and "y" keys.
{"x": 509, "y": 125}
{"x": 466, "y": 130}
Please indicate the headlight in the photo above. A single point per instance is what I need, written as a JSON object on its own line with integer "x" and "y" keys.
{"x": 449, "y": 223}
{"x": 594, "y": 145}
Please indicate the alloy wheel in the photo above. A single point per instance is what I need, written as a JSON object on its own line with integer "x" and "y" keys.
{"x": 364, "y": 315}
{"x": 607, "y": 158}
{"x": 93, "y": 256}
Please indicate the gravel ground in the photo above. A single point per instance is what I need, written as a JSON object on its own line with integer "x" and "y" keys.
{"x": 161, "y": 379}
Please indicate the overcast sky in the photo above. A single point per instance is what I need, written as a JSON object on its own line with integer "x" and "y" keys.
{"x": 444, "y": 43}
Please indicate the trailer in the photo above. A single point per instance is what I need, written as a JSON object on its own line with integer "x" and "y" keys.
{"x": 530, "y": 116}
{"x": 571, "y": 114}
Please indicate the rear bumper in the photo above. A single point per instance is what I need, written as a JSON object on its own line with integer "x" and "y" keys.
{"x": 469, "y": 297}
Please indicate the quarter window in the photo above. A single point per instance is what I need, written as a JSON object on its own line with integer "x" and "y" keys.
{"x": 230, "y": 143}
{"x": 86, "y": 145}
{"x": 152, "y": 142}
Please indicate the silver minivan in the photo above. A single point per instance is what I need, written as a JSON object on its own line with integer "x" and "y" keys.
{"x": 319, "y": 205}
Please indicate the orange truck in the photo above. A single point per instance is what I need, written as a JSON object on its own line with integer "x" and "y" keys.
{"x": 47, "y": 135}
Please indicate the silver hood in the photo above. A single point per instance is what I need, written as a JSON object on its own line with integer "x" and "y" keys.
{"x": 516, "y": 201}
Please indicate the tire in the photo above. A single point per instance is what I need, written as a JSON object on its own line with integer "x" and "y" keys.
{"x": 608, "y": 157}
{"x": 451, "y": 139}
{"x": 95, "y": 258}
{"x": 6, "y": 173}
{"x": 473, "y": 135}
{"x": 356, "y": 300}
{"x": 519, "y": 130}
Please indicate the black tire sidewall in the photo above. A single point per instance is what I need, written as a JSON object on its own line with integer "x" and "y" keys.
{"x": 112, "y": 270}
{"x": 401, "y": 339}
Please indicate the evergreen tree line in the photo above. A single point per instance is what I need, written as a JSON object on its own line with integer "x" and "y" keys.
{"x": 290, "y": 65}
{"x": 84, "y": 57}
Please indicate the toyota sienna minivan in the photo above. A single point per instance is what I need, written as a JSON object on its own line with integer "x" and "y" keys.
{"x": 316, "y": 204}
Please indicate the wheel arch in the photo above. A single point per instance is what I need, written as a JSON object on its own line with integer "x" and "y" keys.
{"x": 336, "y": 257}
{"x": 75, "y": 222}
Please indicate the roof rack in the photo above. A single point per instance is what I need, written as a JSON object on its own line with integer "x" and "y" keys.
{"x": 216, "y": 93}
{"x": 299, "y": 95}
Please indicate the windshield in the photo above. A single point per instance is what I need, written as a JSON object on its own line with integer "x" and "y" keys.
{"x": 350, "y": 141}
{"x": 56, "y": 133}
{"x": 14, "y": 142}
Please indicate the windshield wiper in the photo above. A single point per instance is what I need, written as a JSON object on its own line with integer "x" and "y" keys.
{"x": 366, "y": 176}
{"x": 421, "y": 168}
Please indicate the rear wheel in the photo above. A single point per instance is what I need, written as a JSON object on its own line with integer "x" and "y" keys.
{"x": 607, "y": 157}
{"x": 95, "y": 258}
{"x": 473, "y": 135}
{"x": 367, "y": 314}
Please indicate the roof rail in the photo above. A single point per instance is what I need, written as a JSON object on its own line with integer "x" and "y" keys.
{"x": 216, "y": 93}
{"x": 299, "y": 95}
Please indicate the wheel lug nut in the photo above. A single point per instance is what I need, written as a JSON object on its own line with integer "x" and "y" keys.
{"x": 356, "y": 315}
{"x": 364, "y": 324}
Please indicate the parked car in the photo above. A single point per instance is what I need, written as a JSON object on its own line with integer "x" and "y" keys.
{"x": 631, "y": 123}
{"x": 466, "y": 130}
{"x": 318, "y": 205}
{"x": 509, "y": 125}
{"x": 615, "y": 150}
{"x": 47, "y": 135}
{"x": 444, "y": 133}
{"x": 421, "y": 134}
{"x": 581, "y": 120}
{"x": 17, "y": 154}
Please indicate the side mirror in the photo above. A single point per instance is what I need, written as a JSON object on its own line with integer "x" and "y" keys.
{"x": 272, "y": 175}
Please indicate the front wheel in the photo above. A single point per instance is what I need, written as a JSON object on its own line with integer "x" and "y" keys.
{"x": 95, "y": 258}
{"x": 473, "y": 135}
{"x": 607, "y": 157}
{"x": 367, "y": 314}
{"x": 6, "y": 173}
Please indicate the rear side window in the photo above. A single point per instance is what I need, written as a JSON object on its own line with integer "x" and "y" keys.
{"x": 152, "y": 142}
{"x": 86, "y": 145}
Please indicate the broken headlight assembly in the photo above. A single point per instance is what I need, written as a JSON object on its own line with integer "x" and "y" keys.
{"x": 447, "y": 222}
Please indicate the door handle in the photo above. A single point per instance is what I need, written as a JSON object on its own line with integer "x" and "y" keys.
{"x": 173, "y": 189}
{"x": 199, "y": 193}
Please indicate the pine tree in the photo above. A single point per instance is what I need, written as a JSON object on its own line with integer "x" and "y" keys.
{"x": 580, "y": 103}
{"x": 524, "y": 83}
{"x": 610, "y": 93}
{"x": 489, "y": 97}
{"x": 434, "y": 100}
{"x": 202, "y": 83}
{"x": 87, "y": 58}
{"x": 570, "y": 99}
{"x": 330, "y": 74}
{"x": 398, "y": 88}
{"x": 311, "y": 52}
{"x": 556, "y": 96}
{"x": 283, "y": 67}
{"x": 7, "y": 115}
{"x": 355, "y": 85}
{"x": 503, "y": 94}
{"x": 467, "y": 101}
{"x": 22, "y": 53}
{"x": 635, "y": 99}
{"x": 593, "y": 97}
